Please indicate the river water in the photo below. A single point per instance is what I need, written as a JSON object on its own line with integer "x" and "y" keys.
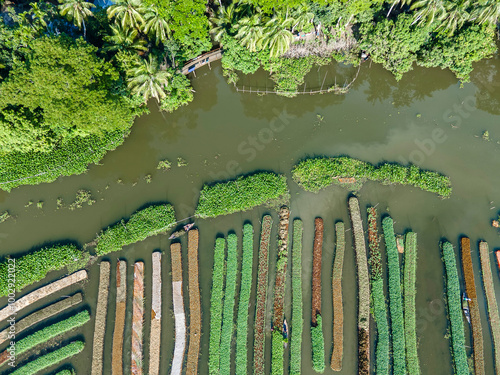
{"x": 426, "y": 118}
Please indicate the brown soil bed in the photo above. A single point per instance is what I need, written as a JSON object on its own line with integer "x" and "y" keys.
{"x": 364, "y": 352}
{"x": 338, "y": 308}
{"x": 137, "y": 319}
{"x": 194, "y": 304}
{"x": 279, "y": 288}
{"x": 121, "y": 296}
{"x": 100, "y": 318}
{"x": 316, "y": 272}
{"x": 155, "y": 329}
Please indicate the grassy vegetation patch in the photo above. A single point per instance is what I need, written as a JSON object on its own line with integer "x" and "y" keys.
{"x": 317, "y": 173}
{"x": 35, "y": 266}
{"x": 241, "y": 194}
{"x": 144, "y": 223}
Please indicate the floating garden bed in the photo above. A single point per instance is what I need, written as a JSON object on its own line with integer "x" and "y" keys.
{"x": 318, "y": 341}
{"x": 142, "y": 224}
{"x": 317, "y": 173}
{"x": 363, "y": 288}
{"x": 338, "y": 307}
{"x": 100, "y": 318}
{"x": 121, "y": 301}
{"x": 155, "y": 329}
{"x": 216, "y": 306}
{"x": 179, "y": 315}
{"x": 136, "y": 354}
{"x": 455, "y": 311}
{"x": 489, "y": 291}
{"x": 260, "y": 309}
{"x": 194, "y": 304}
{"x": 409, "y": 294}
{"x": 377, "y": 295}
{"x": 297, "y": 324}
{"x": 475, "y": 317}
{"x": 244, "y": 302}
{"x": 395, "y": 298}
{"x": 241, "y": 194}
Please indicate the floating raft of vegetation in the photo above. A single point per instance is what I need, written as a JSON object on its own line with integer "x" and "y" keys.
{"x": 100, "y": 318}
{"x": 409, "y": 294}
{"x": 216, "y": 299}
{"x": 455, "y": 311}
{"x": 489, "y": 291}
{"x": 338, "y": 308}
{"x": 297, "y": 314}
{"x": 241, "y": 194}
{"x": 244, "y": 302}
{"x": 318, "y": 341}
{"x": 470, "y": 287}
{"x": 155, "y": 329}
{"x": 318, "y": 173}
{"x": 41, "y": 315}
{"x": 179, "y": 315}
{"x": 136, "y": 353}
{"x": 363, "y": 288}
{"x": 42, "y": 292}
{"x": 260, "y": 309}
{"x": 121, "y": 301}
{"x": 378, "y": 297}
{"x": 194, "y": 304}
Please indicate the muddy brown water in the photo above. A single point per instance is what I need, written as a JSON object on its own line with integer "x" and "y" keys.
{"x": 426, "y": 118}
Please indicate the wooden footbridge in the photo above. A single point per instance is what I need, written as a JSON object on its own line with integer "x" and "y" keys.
{"x": 201, "y": 60}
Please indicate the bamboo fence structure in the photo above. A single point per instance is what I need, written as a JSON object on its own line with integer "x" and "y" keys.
{"x": 137, "y": 319}
{"x": 121, "y": 300}
{"x": 180, "y": 318}
{"x": 491, "y": 300}
{"x": 475, "y": 317}
{"x": 194, "y": 304}
{"x": 100, "y": 319}
{"x": 42, "y": 292}
{"x": 41, "y": 315}
{"x": 338, "y": 309}
{"x": 363, "y": 288}
{"x": 155, "y": 329}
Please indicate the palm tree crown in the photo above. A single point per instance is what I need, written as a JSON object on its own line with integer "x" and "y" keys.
{"x": 76, "y": 11}
{"x": 148, "y": 80}
{"x": 129, "y": 13}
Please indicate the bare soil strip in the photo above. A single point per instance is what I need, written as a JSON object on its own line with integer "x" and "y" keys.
{"x": 121, "y": 297}
{"x": 41, "y": 315}
{"x": 338, "y": 309}
{"x": 470, "y": 286}
{"x": 180, "y": 318}
{"x": 279, "y": 288}
{"x": 194, "y": 304}
{"x": 137, "y": 319}
{"x": 100, "y": 319}
{"x": 155, "y": 331}
{"x": 491, "y": 300}
{"x": 316, "y": 272}
{"x": 42, "y": 292}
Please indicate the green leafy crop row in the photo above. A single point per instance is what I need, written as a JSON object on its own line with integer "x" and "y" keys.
{"x": 318, "y": 345}
{"x": 395, "y": 299}
{"x": 410, "y": 274}
{"x": 317, "y": 173}
{"x": 241, "y": 194}
{"x": 216, "y": 306}
{"x": 277, "y": 352}
{"x": 149, "y": 221}
{"x": 34, "y": 266}
{"x": 455, "y": 310}
{"x": 50, "y": 359}
{"x": 297, "y": 318}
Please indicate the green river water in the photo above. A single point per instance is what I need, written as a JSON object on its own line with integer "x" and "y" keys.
{"x": 426, "y": 118}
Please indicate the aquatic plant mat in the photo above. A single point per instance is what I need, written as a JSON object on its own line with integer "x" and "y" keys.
{"x": 338, "y": 308}
{"x": 121, "y": 301}
{"x": 41, "y": 315}
{"x": 260, "y": 308}
{"x": 475, "y": 317}
{"x": 489, "y": 291}
{"x": 297, "y": 315}
{"x": 100, "y": 319}
{"x": 42, "y": 292}
{"x": 194, "y": 303}
{"x": 178, "y": 303}
{"x": 155, "y": 329}
{"x": 363, "y": 288}
{"x": 137, "y": 320}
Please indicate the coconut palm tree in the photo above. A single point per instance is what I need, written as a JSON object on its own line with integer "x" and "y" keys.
{"x": 277, "y": 36}
{"x": 250, "y": 32}
{"x": 76, "y": 11}
{"x": 222, "y": 23}
{"x": 488, "y": 12}
{"x": 156, "y": 25}
{"x": 124, "y": 40}
{"x": 147, "y": 80}
{"x": 302, "y": 18}
{"x": 429, "y": 11}
{"x": 128, "y": 13}
{"x": 457, "y": 13}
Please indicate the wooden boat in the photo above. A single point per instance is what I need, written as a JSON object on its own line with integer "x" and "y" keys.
{"x": 465, "y": 307}
{"x": 285, "y": 332}
{"x": 181, "y": 232}
{"x": 498, "y": 259}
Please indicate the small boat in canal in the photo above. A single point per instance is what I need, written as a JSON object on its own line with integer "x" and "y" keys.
{"x": 181, "y": 232}
{"x": 285, "y": 332}
{"x": 498, "y": 259}
{"x": 465, "y": 307}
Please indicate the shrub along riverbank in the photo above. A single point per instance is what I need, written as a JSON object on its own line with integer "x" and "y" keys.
{"x": 318, "y": 173}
